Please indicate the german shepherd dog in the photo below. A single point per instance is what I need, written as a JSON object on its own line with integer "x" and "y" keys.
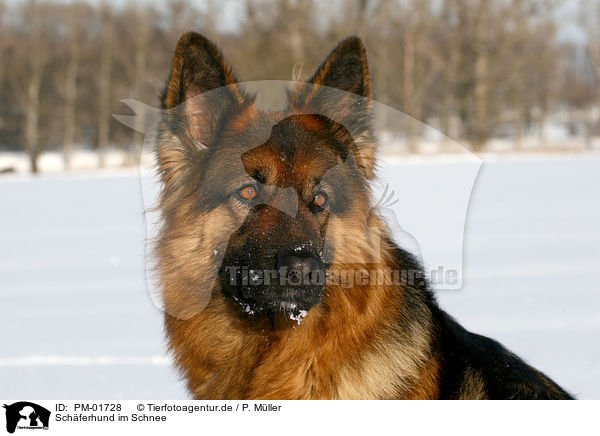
{"x": 246, "y": 190}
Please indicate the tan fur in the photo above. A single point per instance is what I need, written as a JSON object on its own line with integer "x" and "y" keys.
{"x": 472, "y": 386}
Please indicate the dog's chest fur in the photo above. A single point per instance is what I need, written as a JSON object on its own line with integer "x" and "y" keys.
{"x": 316, "y": 359}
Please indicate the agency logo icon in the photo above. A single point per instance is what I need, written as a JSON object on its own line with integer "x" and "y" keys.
{"x": 26, "y": 415}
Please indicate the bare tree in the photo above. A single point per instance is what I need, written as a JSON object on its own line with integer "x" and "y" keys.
{"x": 481, "y": 77}
{"x": 34, "y": 56}
{"x": 421, "y": 63}
{"x": 75, "y": 34}
{"x": 590, "y": 18}
{"x": 3, "y": 44}
{"x": 104, "y": 79}
{"x": 142, "y": 31}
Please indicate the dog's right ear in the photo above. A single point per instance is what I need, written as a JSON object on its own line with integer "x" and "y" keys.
{"x": 201, "y": 89}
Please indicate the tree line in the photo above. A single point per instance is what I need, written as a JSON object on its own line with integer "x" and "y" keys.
{"x": 472, "y": 69}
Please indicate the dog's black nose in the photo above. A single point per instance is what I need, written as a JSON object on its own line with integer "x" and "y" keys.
{"x": 298, "y": 269}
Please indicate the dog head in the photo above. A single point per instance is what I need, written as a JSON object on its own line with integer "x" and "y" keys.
{"x": 253, "y": 201}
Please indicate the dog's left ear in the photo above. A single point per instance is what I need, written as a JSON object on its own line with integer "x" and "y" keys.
{"x": 345, "y": 69}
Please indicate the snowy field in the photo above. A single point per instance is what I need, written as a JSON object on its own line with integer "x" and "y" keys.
{"x": 77, "y": 320}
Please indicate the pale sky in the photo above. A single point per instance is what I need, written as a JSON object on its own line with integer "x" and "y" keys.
{"x": 569, "y": 29}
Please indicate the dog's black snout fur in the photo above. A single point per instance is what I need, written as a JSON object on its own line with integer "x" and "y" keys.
{"x": 298, "y": 268}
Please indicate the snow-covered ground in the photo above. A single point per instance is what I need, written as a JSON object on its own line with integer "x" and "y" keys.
{"x": 77, "y": 320}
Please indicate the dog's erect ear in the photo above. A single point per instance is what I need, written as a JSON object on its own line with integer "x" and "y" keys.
{"x": 346, "y": 68}
{"x": 340, "y": 89}
{"x": 201, "y": 92}
{"x": 201, "y": 89}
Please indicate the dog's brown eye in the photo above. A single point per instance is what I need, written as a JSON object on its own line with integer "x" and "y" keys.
{"x": 320, "y": 199}
{"x": 247, "y": 192}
